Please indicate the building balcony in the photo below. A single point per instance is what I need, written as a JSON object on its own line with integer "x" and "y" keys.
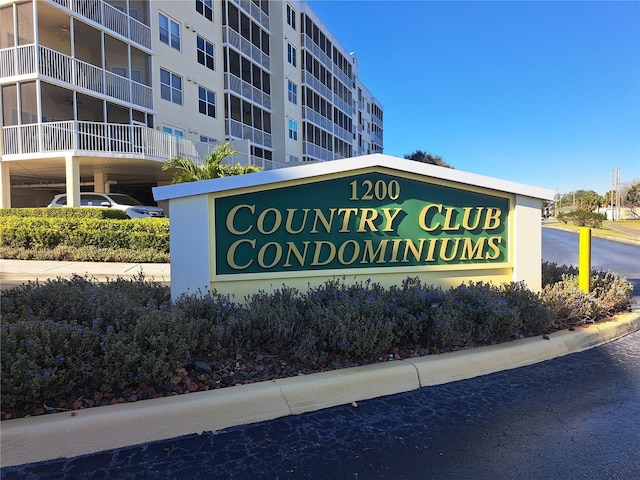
{"x": 245, "y": 90}
{"x": 254, "y": 12}
{"x": 235, "y": 129}
{"x": 233, "y": 38}
{"x": 38, "y": 140}
{"x": 110, "y": 18}
{"x": 314, "y": 117}
{"x": 315, "y": 152}
{"x": 37, "y": 60}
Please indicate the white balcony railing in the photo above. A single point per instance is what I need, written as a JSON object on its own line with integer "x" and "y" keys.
{"x": 111, "y": 18}
{"x": 233, "y": 38}
{"x": 94, "y": 137}
{"x": 32, "y": 59}
{"x": 244, "y": 89}
{"x": 98, "y": 139}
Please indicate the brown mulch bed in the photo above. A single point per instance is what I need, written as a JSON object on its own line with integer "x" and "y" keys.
{"x": 207, "y": 372}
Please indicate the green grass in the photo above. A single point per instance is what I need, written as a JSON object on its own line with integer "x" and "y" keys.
{"x": 608, "y": 230}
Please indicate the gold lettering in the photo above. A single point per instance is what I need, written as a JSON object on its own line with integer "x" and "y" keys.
{"x": 368, "y": 216}
{"x": 231, "y": 253}
{"x": 290, "y": 214}
{"x": 422, "y": 218}
{"x": 231, "y": 216}
{"x": 318, "y": 249}
{"x": 277, "y": 221}
{"x": 493, "y": 244}
{"x": 347, "y": 215}
{"x": 369, "y": 256}
{"x": 390, "y": 217}
{"x": 299, "y": 256}
{"x": 471, "y": 251}
{"x": 343, "y": 247}
{"x": 465, "y": 219}
{"x": 432, "y": 250}
{"x": 394, "y": 250}
{"x": 443, "y": 249}
{"x": 492, "y": 220}
{"x": 319, "y": 215}
{"x": 276, "y": 257}
{"x": 417, "y": 252}
{"x": 450, "y": 217}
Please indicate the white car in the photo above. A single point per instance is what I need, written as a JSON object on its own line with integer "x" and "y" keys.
{"x": 132, "y": 207}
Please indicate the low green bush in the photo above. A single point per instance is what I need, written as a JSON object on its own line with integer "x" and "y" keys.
{"x": 609, "y": 294}
{"x": 583, "y": 218}
{"x": 64, "y": 336}
{"x": 85, "y": 254}
{"x": 67, "y": 212}
{"x": 552, "y": 273}
{"x": 41, "y": 233}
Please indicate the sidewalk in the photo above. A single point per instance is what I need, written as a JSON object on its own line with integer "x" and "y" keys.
{"x": 15, "y": 272}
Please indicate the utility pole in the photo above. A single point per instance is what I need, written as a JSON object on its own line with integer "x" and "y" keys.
{"x": 619, "y": 194}
{"x": 611, "y": 196}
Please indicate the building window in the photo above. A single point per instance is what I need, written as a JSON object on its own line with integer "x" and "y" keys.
{"x": 293, "y": 129}
{"x": 293, "y": 158}
{"x": 169, "y": 31}
{"x": 205, "y": 139}
{"x": 293, "y": 92}
{"x": 206, "y": 102}
{"x": 291, "y": 54}
{"x": 170, "y": 86}
{"x": 291, "y": 17}
{"x": 205, "y": 52}
{"x": 205, "y": 8}
{"x": 173, "y": 131}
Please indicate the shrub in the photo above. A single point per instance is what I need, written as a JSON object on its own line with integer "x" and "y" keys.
{"x": 552, "y": 273}
{"x": 47, "y": 233}
{"x": 67, "y": 212}
{"x": 583, "y": 218}
{"x": 63, "y": 336}
{"x": 474, "y": 314}
{"x": 609, "y": 294}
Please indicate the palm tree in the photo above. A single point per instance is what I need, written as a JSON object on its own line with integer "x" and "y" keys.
{"x": 188, "y": 170}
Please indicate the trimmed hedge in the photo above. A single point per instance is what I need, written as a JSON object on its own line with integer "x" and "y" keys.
{"x": 582, "y": 218}
{"x": 48, "y": 233}
{"x": 67, "y": 212}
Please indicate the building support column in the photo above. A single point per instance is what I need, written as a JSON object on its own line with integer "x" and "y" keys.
{"x": 5, "y": 185}
{"x": 100, "y": 184}
{"x": 72, "y": 169}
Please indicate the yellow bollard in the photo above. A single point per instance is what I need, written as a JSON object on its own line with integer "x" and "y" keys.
{"x": 584, "y": 270}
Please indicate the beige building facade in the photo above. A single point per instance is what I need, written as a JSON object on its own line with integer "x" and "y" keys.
{"x": 96, "y": 95}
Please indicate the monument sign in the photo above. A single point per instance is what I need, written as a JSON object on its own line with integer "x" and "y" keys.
{"x": 373, "y": 217}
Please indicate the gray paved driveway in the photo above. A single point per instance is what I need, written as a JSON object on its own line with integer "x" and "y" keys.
{"x": 575, "y": 417}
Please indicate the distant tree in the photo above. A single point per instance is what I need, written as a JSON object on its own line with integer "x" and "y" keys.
{"x": 633, "y": 198}
{"x": 587, "y": 200}
{"x": 427, "y": 157}
{"x": 188, "y": 170}
{"x": 633, "y": 194}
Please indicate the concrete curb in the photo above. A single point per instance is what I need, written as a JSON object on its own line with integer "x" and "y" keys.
{"x": 63, "y": 435}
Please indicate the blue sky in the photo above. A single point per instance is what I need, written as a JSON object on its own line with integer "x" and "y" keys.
{"x": 543, "y": 93}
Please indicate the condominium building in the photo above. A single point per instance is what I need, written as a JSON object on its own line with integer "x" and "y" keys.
{"x": 97, "y": 94}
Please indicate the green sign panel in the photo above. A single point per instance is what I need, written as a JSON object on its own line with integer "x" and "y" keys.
{"x": 360, "y": 221}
